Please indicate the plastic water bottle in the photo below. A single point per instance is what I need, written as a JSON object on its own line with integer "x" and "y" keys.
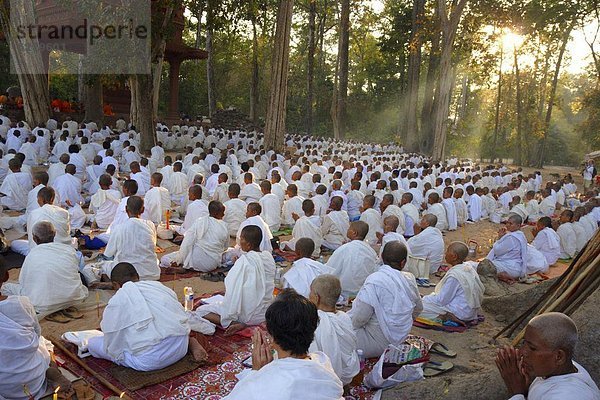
{"x": 188, "y": 294}
{"x": 361, "y": 359}
{"x": 321, "y": 260}
{"x": 278, "y": 270}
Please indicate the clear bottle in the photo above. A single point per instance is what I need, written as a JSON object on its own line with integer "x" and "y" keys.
{"x": 188, "y": 295}
{"x": 278, "y": 272}
{"x": 361, "y": 359}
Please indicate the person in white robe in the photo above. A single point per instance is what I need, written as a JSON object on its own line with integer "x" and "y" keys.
{"x": 144, "y": 327}
{"x": 293, "y": 205}
{"x": 271, "y": 207}
{"x": 157, "y": 200}
{"x": 436, "y": 208}
{"x": 142, "y": 179}
{"x": 411, "y": 214}
{"x": 532, "y": 207}
{"x": 546, "y": 240}
{"x": 133, "y": 241}
{"x": 428, "y": 243}
{"x": 518, "y": 208}
{"x": 296, "y": 373}
{"x": 93, "y": 173}
{"x": 321, "y": 201}
{"x": 50, "y": 274}
{"x": 304, "y": 270}
{"x": 355, "y": 201}
{"x": 178, "y": 184}
{"x": 390, "y": 225}
{"x": 68, "y": 187}
{"x": 335, "y": 225}
{"x": 59, "y": 218}
{"x": 474, "y": 205}
{"x": 104, "y": 203}
{"x": 457, "y": 297}
{"x": 386, "y": 305}
{"x": 15, "y": 187}
{"x": 555, "y": 375}
{"x": 307, "y": 226}
{"x": 580, "y": 229}
{"x": 450, "y": 207}
{"x": 388, "y": 208}
{"x": 26, "y": 370}
{"x": 253, "y": 211}
{"x": 57, "y": 169}
{"x": 462, "y": 211}
{"x": 235, "y": 210}
{"x": 548, "y": 204}
{"x": 249, "y": 286}
{"x": 203, "y": 244}
{"x": 77, "y": 159}
{"x": 568, "y": 238}
{"x": 222, "y": 189}
{"x": 509, "y": 253}
{"x": 196, "y": 209}
{"x": 335, "y": 335}
{"x": 354, "y": 261}
{"x": 372, "y": 217}
{"x": 251, "y": 191}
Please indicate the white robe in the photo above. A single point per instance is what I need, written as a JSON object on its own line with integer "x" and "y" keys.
{"x": 251, "y": 193}
{"x": 50, "y": 278}
{"x": 271, "y": 211}
{"x": 462, "y": 212}
{"x": 265, "y": 244}
{"x": 568, "y": 240}
{"x": 138, "y": 317}
{"x": 59, "y": 218}
{"x": 235, "y": 214}
{"x": 474, "y": 207}
{"x": 547, "y": 242}
{"x": 68, "y": 188}
{"x": 23, "y": 351}
{"x": 143, "y": 182}
{"x": 302, "y": 273}
{"x": 336, "y": 338}
{"x": 578, "y": 385}
{"x": 581, "y": 234}
{"x": 178, "y": 186}
{"x": 428, "y": 244}
{"x": 249, "y": 289}
{"x": 134, "y": 241}
{"x": 509, "y": 254}
{"x": 290, "y": 378}
{"x": 395, "y": 300}
{"x": 451, "y": 214}
{"x": 156, "y": 203}
{"x": 373, "y": 218}
{"x": 460, "y": 292}
{"x": 392, "y": 237}
{"x": 335, "y": 228}
{"x": 293, "y": 205}
{"x": 104, "y": 205}
{"x": 439, "y": 211}
{"x": 353, "y": 262}
{"x": 203, "y": 245}
{"x": 547, "y": 206}
{"x": 15, "y": 186}
{"x": 397, "y": 212}
{"x": 307, "y": 227}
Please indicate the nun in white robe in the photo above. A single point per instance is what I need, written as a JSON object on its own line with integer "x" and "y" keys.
{"x": 509, "y": 254}
{"x": 373, "y": 218}
{"x": 428, "y": 244}
{"x": 307, "y": 227}
{"x": 303, "y": 271}
{"x": 568, "y": 240}
{"x": 547, "y": 242}
{"x": 352, "y": 263}
{"x": 235, "y": 214}
{"x": 334, "y": 229}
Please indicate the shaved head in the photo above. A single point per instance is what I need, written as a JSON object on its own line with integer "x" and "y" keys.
{"x": 43, "y": 232}
{"x": 557, "y": 330}
{"x": 361, "y": 229}
{"x": 394, "y": 254}
{"x": 135, "y": 205}
{"x": 460, "y": 249}
{"x": 124, "y": 272}
{"x": 305, "y": 247}
{"x": 430, "y": 219}
{"x": 328, "y": 288}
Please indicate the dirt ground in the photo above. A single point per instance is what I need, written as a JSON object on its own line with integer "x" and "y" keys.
{"x": 474, "y": 375}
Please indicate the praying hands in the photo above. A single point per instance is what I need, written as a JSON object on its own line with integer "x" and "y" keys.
{"x": 516, "y": 380}
{"x": 261, "y": 350}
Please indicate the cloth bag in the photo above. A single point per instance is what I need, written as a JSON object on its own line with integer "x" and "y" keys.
{"x": 405, "y": 362}
{"x": 417, "y": 266}
{"x": 81, "y": 339}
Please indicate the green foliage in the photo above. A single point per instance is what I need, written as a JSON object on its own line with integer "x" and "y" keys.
{"x": 590, "y": 127}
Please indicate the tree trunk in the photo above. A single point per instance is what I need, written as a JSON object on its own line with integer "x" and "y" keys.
{"x": 497, "y": 111}
{"x": 310, "y": 67}
{"x": 411, "y": 129}
{"x": 93, "y": 98}
{"x": 141, "y": 109}
{"x": 254, "y": 89}
{"x": 27, "y": 61}
{"x": 449, "y": 24}
{"x": 275, "y": 122}
{"x": 542, "y": 148}
{"x": 426, "y": 139}
{"x": 199, "y": 12}
{"x": 341, "y": 94}
{"x": 518, "y": 150}
{"x": 210, "y": 73}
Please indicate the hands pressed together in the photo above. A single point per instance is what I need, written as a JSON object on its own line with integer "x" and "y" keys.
{"x": 516, "y": 379}
{"x": 261, "y": 349}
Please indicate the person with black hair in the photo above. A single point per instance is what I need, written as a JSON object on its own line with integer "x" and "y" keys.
{"x": 568, "y": 238}
{"x": 249, "y": 286}
{"x": 144, "y": 326}
{"x": 291, "y": 323}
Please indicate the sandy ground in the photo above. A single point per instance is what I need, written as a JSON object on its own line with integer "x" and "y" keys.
{"x": 475, "y": 354}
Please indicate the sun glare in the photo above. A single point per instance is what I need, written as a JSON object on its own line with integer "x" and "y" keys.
{"x": 511, "y": 40}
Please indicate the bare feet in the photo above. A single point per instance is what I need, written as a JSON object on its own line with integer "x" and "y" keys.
{"x": 504, "y": 277}
{"x": 197, "y": 350}
{"x": 234, "y": 328}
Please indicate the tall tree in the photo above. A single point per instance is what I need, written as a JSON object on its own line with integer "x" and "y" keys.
{"x": 210, "y": 72}
{"x": 498, "y": 102}
{"x": 411, "y": 130}
{"x": 254, "y": 87}
{"x": 340, "y": 94}
{"x": 276, "y": 111}
{"x": 433, "y": 66}
{"x": 27, "y": 60}
{"x": 310, "y": 65}
{"x": 449, "y": 25}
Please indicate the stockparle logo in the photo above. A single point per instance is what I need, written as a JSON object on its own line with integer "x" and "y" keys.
{"x": 81, "y": 36}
